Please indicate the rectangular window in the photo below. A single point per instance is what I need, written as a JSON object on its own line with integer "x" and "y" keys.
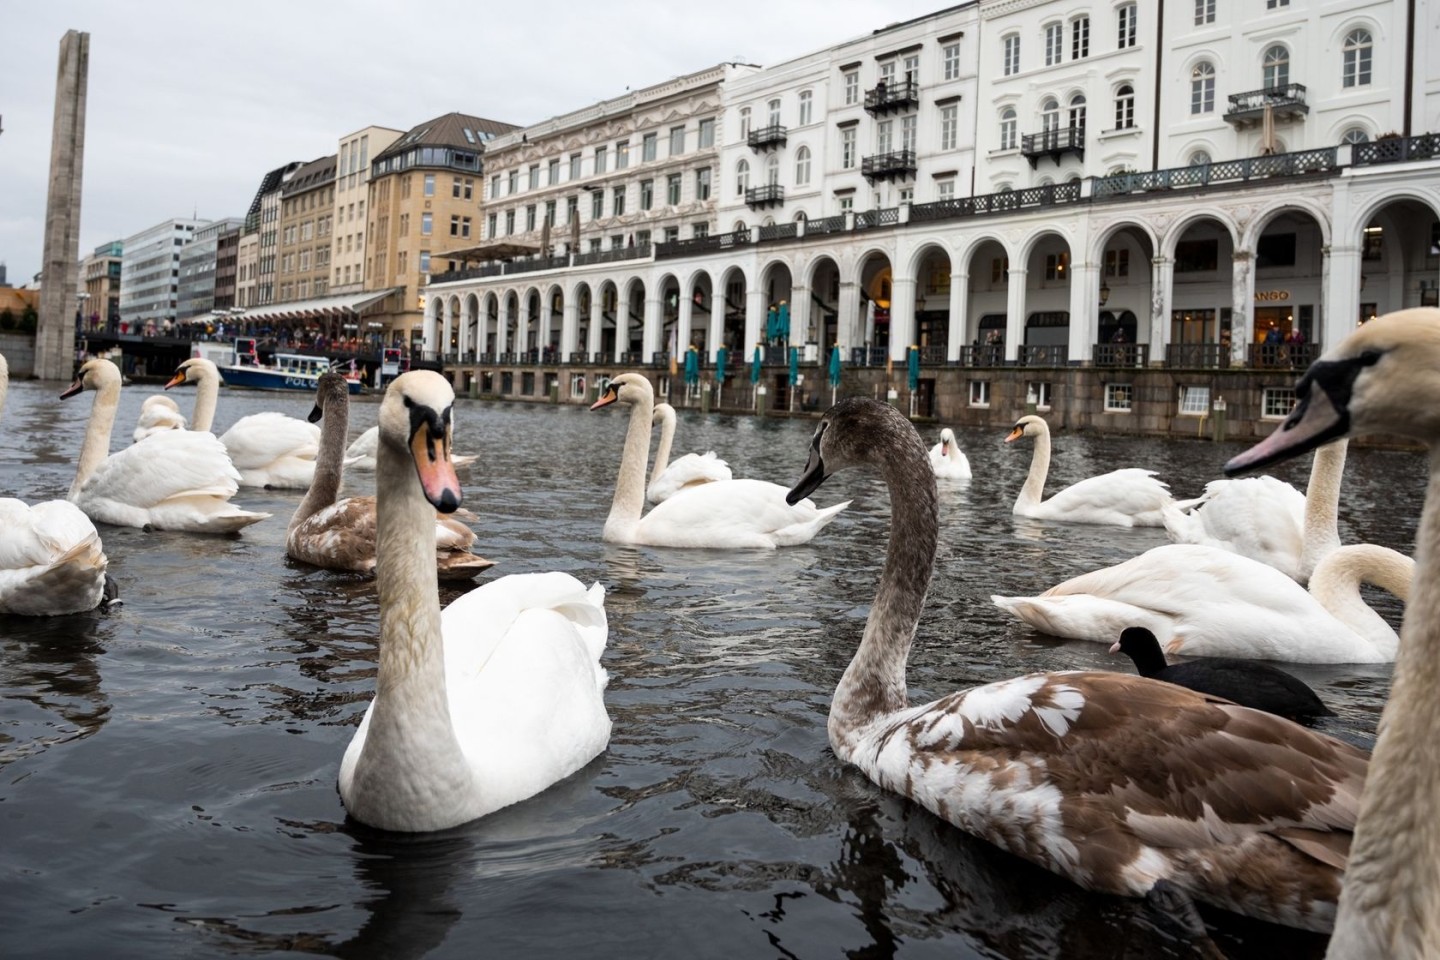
{"x": 617, "y": 202}
{"x": 642, "y": 238}
{"x": 455, "y": 225}
{"x": 509, "y": 223}
{"x": 1117, "y": 397}
{"x": 530, "y": 217}
{"x": 907, "y": 194}
{"x": 424, "y": 261}
{"x": 847, "y": 148}
{"x": 647, "y": 194}
{"x": 806, "y": 104}
{"x": 465, "y": 226}
{"x": 1037, "y": 395}
{"x": 707, "y": 133}
{"x": 553, "y": 169}
{"x": 1000, "y": 270}
{"x": 622, "y": 155}
{"x": 1117, "y": 263}
{"x": 1204, "y": 12}
{"x": 672, "y": 234}
{"x": 944, "y": 189}
{"x": 951, "y": 56}
{"x": 1276, "y": 4}
{"x": 549, "y": 212}
{"x": 979, "y": 393}
{"x": 648, "y": 147}
{"x": 1197, "y": 256}
{"x": 702, "y": 184}
{"x": 514, "y": 183}
{"x": 672, "y": 189}
{"x": 455, "y": 187}
{"x": 907, "y": 132}
{"x": 1276, "y": 250}
{"x": 1372, "y": 243}
{"x": 427, "y": 224}
{"x": 677, "y": 141}
{"x": 884, "y": 136}
{"x": 852, "y": 87}
{"x": 1080, "y": 38}
{"x": 1194, "y": 401}
{"x": 1012, "y": 55}
{"x": 534, "y": 176}
{"x": 597, "y": 204}
{"x": 429, "y": 184}
{"x": 600, "y": 154}
{"x": 1125, "y": 33}
{"x": 490, "y": 224}
{"x": 1277, "y": 403}
{"x": 1054, "y": 44}
{"x": 949, "y": 125}
{"x": 574, "y": 166}
{"x": 1055, "y": 265}
{"x": 700, "y": 230}
{"x": 847, "y": 204}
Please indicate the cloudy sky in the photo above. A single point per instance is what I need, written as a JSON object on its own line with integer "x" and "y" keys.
{"x": 191, "y": 102}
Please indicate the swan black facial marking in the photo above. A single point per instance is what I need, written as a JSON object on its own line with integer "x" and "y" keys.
{"x": 435, "y": 424}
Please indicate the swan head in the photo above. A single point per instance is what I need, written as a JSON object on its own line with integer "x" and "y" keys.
{"x": 1141, "y": 646}
{"x": 193, "y": 371}
{"x": 628, "y": 388}
{"x": 1383, "y": 378}
{"x": 93, "y": 375}
{"x": 157, "y": 400}
{"x": 416, "y": 419}
{"x": 855, "y": 431}
{"x": 330, "y": 388}
{"x": 1031, "y": 426}
{"x": 663, "y": 412}
{"x": 947, "y": 440}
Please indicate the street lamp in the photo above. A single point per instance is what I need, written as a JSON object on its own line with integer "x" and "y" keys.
{"x": 1104, "y": 293}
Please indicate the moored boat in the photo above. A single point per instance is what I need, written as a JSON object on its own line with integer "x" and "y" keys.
{"x": 239, "y": 364}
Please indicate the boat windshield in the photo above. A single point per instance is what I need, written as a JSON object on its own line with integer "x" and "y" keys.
{"x": 301, "y": 364}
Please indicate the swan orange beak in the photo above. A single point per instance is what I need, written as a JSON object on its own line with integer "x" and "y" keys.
{"x": 176, "y": 380}
{"x": 437, "y": 474}
{"x": 945, "y": 448}
{"x": 1015, "y": 434}
{"x": 608, "y": 397}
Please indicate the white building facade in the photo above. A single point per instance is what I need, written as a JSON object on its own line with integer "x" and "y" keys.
{"x": 150, "y": 271}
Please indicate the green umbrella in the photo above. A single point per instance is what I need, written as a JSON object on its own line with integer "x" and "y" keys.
{"x": 835, "y": 366}
{"x": 914, "y": 369}
{"x": 755, "y": 366}
{"x": 721, "y": 356}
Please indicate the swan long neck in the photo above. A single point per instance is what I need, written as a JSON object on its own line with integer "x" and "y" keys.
{"x": 874, "y": 683}
{"x": 1034, "y": 490}
{"x": 4, "y": 382}
{"x": 1322, "y": 504}
{"x": 329, "y": 462}
{"x": 667, "y": 439}
{"x": 207, "y": 398}
{"x": 1336, "y": 585}
{"x": 96, "y": 446}
{"x": 629, "y": 499}
{"x": 1390, "y": 906}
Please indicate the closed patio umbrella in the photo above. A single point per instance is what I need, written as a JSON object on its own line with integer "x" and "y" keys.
{"x": 834, "y": 372}
{"x": 794, "y": 374}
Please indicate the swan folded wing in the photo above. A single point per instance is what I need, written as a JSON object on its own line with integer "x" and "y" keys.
{"x": 1118, "y": 781}
{"x": 39, "y": 535}
{"x": 736, "y": 513}
{"x": 260, "y": 439}
{"x": 1257, "y": 517}
{"x": 1131, "y": 491}
{"x": 51, "y": 559}
{"x": 338, "y": 537}
{"x": 365, "y": 445}
{"x": 691, "y": 469}
{"x": 451, "y": 534}
{"x": 174, "y": 464}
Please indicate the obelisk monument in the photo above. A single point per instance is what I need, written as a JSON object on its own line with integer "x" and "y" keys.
{"x": 55, "y": 339}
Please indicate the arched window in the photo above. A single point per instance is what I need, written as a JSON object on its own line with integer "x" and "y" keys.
{"x": 739, "y": 226}
{"x": 1199, "y": 159}
{"x": 1007, "y": 129}
{"x": 1077, "y": 113}
{"x": 1125, "y": 107}
{"x": 772, "y": 169}
{"x": 1355, "y": 135}
{"x": 742, "y": 177}
{"x": 800, "y": 216}
{"x": 1357, "y": 49}
{"x": 1049, "y": 115}
{"x": 1277, "y": 67}
{"x": 774, "y": 118}
{"x": 1202, "y": 88}
{"x": 802, "y": 166}
{"x": 744, "y": 123}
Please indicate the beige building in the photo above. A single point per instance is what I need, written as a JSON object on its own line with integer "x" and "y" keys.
{"x": 424, "y": 199}
{"x": 307, "y": 212}
{"x": 100, "y": 276}
{"x": 352, "y": 180}
{"x": 247, "y": 269}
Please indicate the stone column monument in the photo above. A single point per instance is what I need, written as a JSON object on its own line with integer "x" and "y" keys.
{"x": 55, "y": 339}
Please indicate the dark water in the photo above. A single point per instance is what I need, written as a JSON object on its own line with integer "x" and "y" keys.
{"x": 167, "y": 770}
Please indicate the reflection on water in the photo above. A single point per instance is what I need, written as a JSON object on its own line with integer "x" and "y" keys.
{"x": 169, "y": 767}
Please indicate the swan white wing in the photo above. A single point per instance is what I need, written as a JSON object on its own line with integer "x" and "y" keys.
{"x": 1129, "y": 497}
{"x": 730, "y": 514}
{"x": 360, "y": 455}
{"x": 691, "y": 469}
{"x": 1199, "y": 601}
{"x": 51, "y": 560}
{"x": 272, "y": 449}
{"x": 1257, "y": 517}
{"x": 157, "y": 414}
{"x": 954, "y": 467}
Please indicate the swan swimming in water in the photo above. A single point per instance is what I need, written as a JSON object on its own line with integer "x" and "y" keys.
{"x": 947, "y": 459}
{"x": 1127, "y": 498}
{"x": 1123, "y": 785}
{"x": 668, "y": 479}
{"x": 488, "y": 702}
{"x": 158, "y": 413}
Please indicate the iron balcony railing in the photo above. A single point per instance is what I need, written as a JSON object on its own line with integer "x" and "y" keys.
{"x": 778, "y": 231}
{"x": 884, "y": 217}
{"x": 1284, "y": 102}
{"x": 888, "y": 166}
{"x": 1396, "y": 150}
{"x": 1281, "y": 356}
{"x": 1120, "y": 354}
{"x": 825, "y": 225}
{"x": 637, "y": 252}
{"x": 988, "y": 355}
{"x": 765, "y": 195}
{"x": 868, "y": 356}
{"x": 890, "y": 95}
{"x": 932, "y": 355}
{"x": 715, "y": 241}
{"x": 1197, "y": 356}
{"x": 1302, "y": 163}
{"x": 1042, "y": 355}
{"x": 772, "y": 135}
{"x": 539, "y": 263}
{"x": 1053, "y": 144}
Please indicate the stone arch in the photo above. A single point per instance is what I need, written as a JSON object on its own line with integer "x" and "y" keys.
{"x": 822, "y": 282}
{"x": 490, "y": 326}
{"x": 608, "y": 293}
{"x": 733, "y": 292}
{"x": 699, "y": 288}
{"x": 1049, "y": 271}
{"x": 875, "y": 279}
{"x": 582, "y": 297}
{"x": 630, "y": 320}
{"x": 469, "y": 326}
{"x": 552, "y": 321}
{"x": 986, "y": 258}
{"x": 931, "y": 265}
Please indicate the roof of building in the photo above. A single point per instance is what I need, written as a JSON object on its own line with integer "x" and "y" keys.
{"x": 314, "y": 174}
{"x": 449, "y": 130}
{"x": 270, "y": 182}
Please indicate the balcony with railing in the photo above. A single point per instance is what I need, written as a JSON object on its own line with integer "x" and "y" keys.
{"x": 767, "y": 137}
{"x": 698, "y": 245}
{"x": 932, "y": 355}
{"x": 889, "y": 96}
{"x": 1197, "y": 356}
{"x": 765, "y": 195}
{"x": 985, "y": 355}
{"x": 894, "y": 165}
{"x": 1281, "y": 356}
{"x": 1396, "y": 150}
{"x": 1043, "y": 355}
{"x": 1053, "y": 144}
{"x": 1120, "y": 354}
{"x": 1285, "y": 103}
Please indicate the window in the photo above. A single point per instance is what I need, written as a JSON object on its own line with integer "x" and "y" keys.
{"x": 649, "y": 147}
{"x": 672, "y": 234}
{"x": 572, "y": 209}
{"x": 1012, "y": 54}
{"x": 597, "y": 204}
{"x": 1125, "y": 107}
{"x": 672, "y": 189}
{"x": 847, "y": 148}
{"x": 1080, "y": 38}
{"x": 549, "y": 212}
{"x": 951, "y": 60}
{"x": 744, "y": 123}
{"x": 1199, "y": 158}
{"x": 884, "y": 135}
{"x": 509, "y": 223}
{"x": 1055, "y": 264}
{"x": 600, "y": 153}
{"x": 802, "y": 167}
{"x": 1355, "y": 135}
{"x": 907, "y": 195}
{"x": 1204, "y": 12}
{"x": 949, "y": 124}
{"x": 1054, "y": 43}
{"x": 1077, "y": 114}
{"x": 852, "y": 87}
{"x": 494, "y": 187}
{"x": 1049, "y": 115}
{"x": 1007, "y": 129}
{"x": 700, "y": 230}
{"x": 427, "y": 224}
{"x": 1277, "y": 66}
{"x": 806, "y": 104}
{"x": 1194, "y": 401}
{"x": 530, "y": 217}
{"x": 1202, "y": 88}
{"x": 429, "y": 184}
{"x": 911, "y": 67}
{"x": 574, "y": 166}
{"x": 490, "y": 224}
{"x": 677, "y": 141}
{"x": 979, "y": 393}
{"x": 772, "y": 169}
{"x": 1117, "y": 263}
{"x": 424, "y": 261}
{"x": 707, "y": 133}
{"x": 1000, "y": 270}
{"x": 1276, "y": 4}
{"x": 617, "y": 202}
{"x": 1356, "y": 71}
{"x": 1037, "y": 395}
{"x": 455, "y": 188}
{"x": 773, "y": 110}
{"x": 1277, "y": 402}
{"x": 945, "y": 189}
{"x": 642, "y": 238}
{"x": 1117, "y": 397}
{"x": 647, "y": 194}
{"x": 702, "y": 184}
{"x": 534, "y": 176}
{"x": 1125, "y": 26}
{"x": 1197, "y": 256}
{"x": 622, "y": 154}
{"x": 907, "y": 132}
{"x": 455, "y": 225}
{"x": 742, "y": 177}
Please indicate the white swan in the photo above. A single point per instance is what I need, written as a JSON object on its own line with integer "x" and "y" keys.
{"x": 340, "y": 534}
{"x": 726, "y": 514}
{"x": 668, "y": 479}
{"x": 494, "y": 699}
{"x": 1267, "y": 519}
{"x": 1126, "y": 498}
{"x": 158, "y": 413}
{"x": 947, "y": 459}
{"x": 360, "y": 455}
{"x": 1381, "y": 379}
{"x": 1121, "y": 784}
{"x": 1206, "y": 602}
{"x": 174, "y": 480}
{"x": 269, "y": 449}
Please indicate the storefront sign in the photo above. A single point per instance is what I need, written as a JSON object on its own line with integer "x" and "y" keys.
{"x": 1271, "y": 296}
